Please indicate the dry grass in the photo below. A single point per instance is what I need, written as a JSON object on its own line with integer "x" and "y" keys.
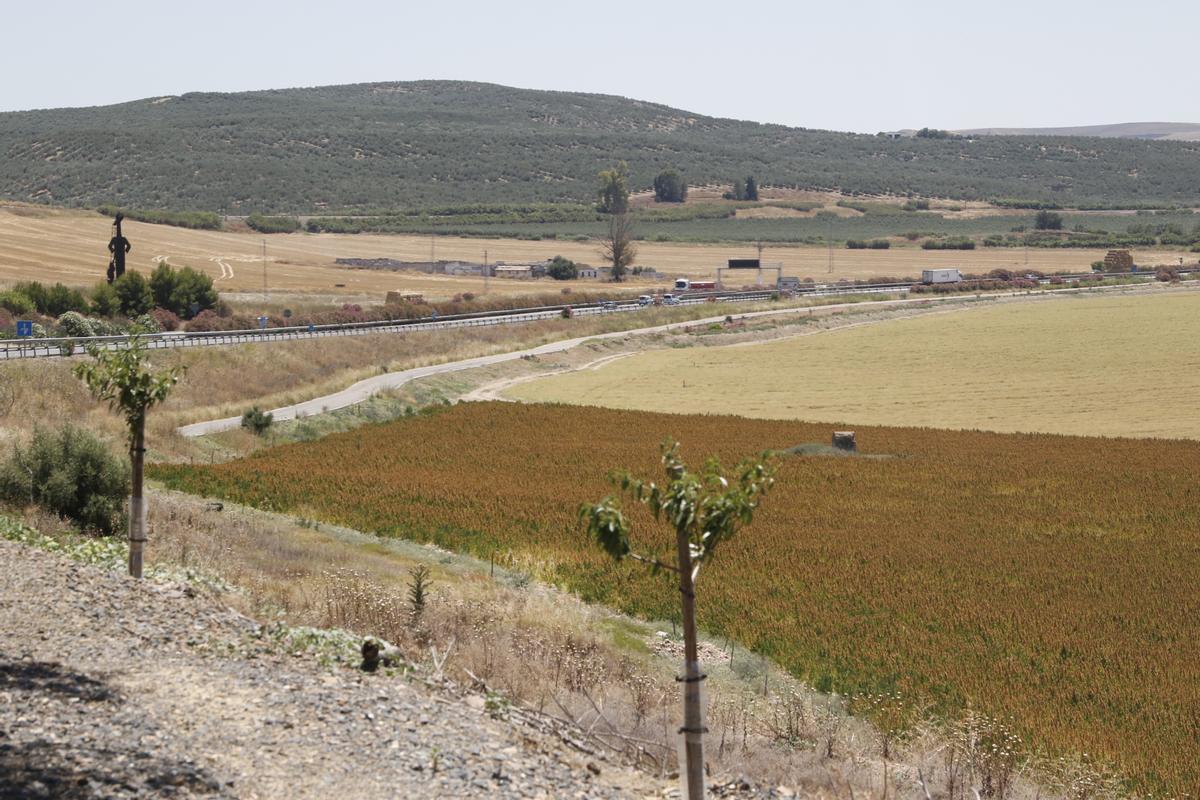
{"x": 69, "y": 246}
{"x": 1086, "y": 365}
{"x": 224, "y": 381}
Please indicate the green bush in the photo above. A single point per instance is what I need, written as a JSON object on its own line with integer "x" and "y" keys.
{"x": 52, "y": 300}
{"x": 71, "y": 473}
{"x": 105, "y": 302}
{"x": 264, "y": 224}
{"x": 16, "y": 303}
{"x": 198, "y": 220}
{"x": 670, "y": 187}
{"x": 73, "y": 323}
{"x": 133, "y": 294}
{"x": 257, "y": 421}
{"x": 562, "y": 269}
{"x": 184, "y": 292}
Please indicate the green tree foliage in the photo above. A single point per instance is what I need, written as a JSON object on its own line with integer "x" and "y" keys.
{"x": 1048, "y": 221}
{"x": 16, "y": 303}
{"x": 670, "y": 187}
{"x": 613, "y": 195}
{"x": 71, "y": 473}
{"x": 133, "y": 294}
{"x": 562, "y": 269}
{"x": 751, "y": 188}
{"x": 123, "y": 378}
{"x": 743, "y": 190}
{"x": 184, "y": 292}
{"x": 105, "y": 302}
{"x": 360, "y": 149}
{"x": 257, "y": 421}
{"x": 617, "y": 247}
{"x": 264, "y": 224}
{"x": 198, "y": 220}
{"x": 52, "y": 300}
{"x": 935, "y": 133}
{"x": 705, "y": 510}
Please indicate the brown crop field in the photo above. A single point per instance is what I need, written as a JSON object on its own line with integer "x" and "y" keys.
{"x": 1047, "y": 580}
{"x": 1112, "y": 365}
{"x": 51, "y": 245}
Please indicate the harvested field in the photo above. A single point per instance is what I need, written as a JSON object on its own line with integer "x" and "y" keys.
{"x": 69, "y": 246}
{"x": 1046, "y": 580}
{"x": 1125, "y": 365}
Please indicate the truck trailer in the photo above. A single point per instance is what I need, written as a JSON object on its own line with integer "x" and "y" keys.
{"x": 940, "y": 276}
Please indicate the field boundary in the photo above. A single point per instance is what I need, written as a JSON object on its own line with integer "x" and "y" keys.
{"x": 365, "y": 389}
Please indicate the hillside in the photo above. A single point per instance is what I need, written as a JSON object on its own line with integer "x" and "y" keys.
{"x": 1161, "y": 131}
{"x": 389, "y": 145}
{"x": 122, "y": 689}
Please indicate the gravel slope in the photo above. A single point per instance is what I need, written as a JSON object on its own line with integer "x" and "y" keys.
{"x": 114, "y": 688}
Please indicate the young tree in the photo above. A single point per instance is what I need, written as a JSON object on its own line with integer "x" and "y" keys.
{"x": 613, "y": 197}
{"x": 751, "y": 190}
{"x": 123, "y": 378}
{"x": 1048, "y": 221}
{"x": 670, "y": 187}
{"x": 562, "y": 269}
{"x": 705, "y": 510}
{"x": 134, "y": 294}
{"x": 617, "y": 248}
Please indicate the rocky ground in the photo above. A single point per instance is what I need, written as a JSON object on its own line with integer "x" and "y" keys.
{"x": 116, "y": 688}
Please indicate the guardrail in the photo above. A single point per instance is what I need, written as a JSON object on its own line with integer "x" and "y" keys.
{"x": 67, "y": 346}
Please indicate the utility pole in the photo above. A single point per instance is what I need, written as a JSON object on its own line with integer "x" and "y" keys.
{"x": 432, "y": 258}
{"x": 485, "y": 272}
{"x": 829, "y": 242}
{"x": 264, "y": 262}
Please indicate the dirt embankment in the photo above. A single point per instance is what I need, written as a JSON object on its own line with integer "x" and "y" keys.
{"x": 115, "y": 688}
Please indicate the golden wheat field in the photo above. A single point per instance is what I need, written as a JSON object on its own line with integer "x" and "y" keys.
{"x": 1046, "y": 580}
{"x": 1126, "y": 365}
{"x": 50, "y": 245}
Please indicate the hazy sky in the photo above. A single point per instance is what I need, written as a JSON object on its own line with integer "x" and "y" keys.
{"x": 855, "y": 65}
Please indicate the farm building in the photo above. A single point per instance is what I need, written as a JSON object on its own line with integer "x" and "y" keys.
{"x": 516, "y": 271}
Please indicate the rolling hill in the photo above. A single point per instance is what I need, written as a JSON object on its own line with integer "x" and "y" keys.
{"x": 1157, "y": 131}
{"x": 391, "y": 145}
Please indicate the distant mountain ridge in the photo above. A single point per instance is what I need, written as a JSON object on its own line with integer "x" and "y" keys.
{"x": 1155, "y": 131}
{"x": 423, "y": 143}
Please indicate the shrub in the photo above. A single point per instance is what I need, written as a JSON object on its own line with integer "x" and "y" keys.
{"x": 71, "y": 473}
{"x": 73, "y": 323}
{"x": 948, "y": 244}
{"x": 184, "y": 292}
{"x": 257, "y": 421}
{"x": 670, "y": 187}
{"x": 105, "y": 302}
{"x": 133, "y": 294}
{"x": 146, "y": 323}
{"x": 16, "y": 303}
{"x": 265, "y": 224}
{"x": 166, "y": 320}
{"x": 562, "y": 269}
{"x": 1048, "y": 221}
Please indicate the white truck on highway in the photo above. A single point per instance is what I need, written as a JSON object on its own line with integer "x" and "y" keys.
{"x": 940, "y": 276}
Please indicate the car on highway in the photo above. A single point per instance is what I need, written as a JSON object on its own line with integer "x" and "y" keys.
{"x": 670, "y": 300}
{"x": 608, "y": 305}
{"x": 645, "y": 300}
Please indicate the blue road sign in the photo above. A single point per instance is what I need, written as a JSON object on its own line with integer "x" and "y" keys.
{"x": 25, "y": 328}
